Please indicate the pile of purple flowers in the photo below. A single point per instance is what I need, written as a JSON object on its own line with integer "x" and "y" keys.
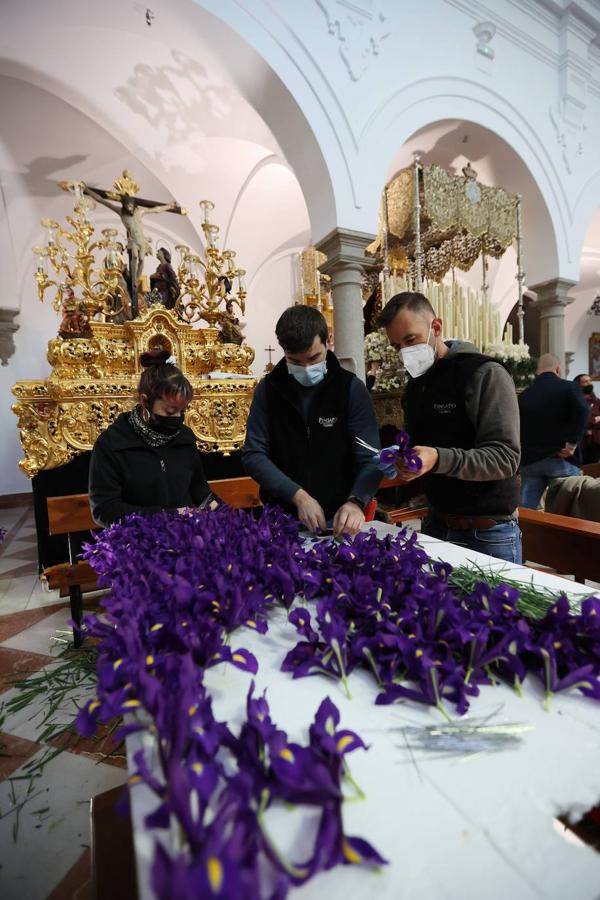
{"x": 381, "y": 604}
{"x": 180, "y": 585}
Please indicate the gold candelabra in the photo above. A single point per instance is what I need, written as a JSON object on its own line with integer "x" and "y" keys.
{"x": 98, "y": 286}
{"x": 207, "y": 284}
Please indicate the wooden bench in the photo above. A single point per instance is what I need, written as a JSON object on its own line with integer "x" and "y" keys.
{"x": 566, "y": 544}
{"x": 72, "y": 514}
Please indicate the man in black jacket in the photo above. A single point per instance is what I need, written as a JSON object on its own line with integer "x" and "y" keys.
{"x": 461, "y": 413}
{"x": 300, "y": 439}
{"x": 554, "y": 415}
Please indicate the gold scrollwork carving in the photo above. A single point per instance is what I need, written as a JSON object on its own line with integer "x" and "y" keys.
{"x": 94, "y": 379}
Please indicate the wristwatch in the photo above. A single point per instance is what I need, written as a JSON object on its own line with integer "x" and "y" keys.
{"x": 358, "y": 503}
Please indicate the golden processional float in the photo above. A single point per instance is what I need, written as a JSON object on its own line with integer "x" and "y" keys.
{"x": 109, "y": 317}
{"x": 432, "y": 222}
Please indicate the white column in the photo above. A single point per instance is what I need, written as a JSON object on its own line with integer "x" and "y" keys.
{"x": 348, "y": 324}
{"x": 552, "y": 299}
{"x": 346, "y": 263}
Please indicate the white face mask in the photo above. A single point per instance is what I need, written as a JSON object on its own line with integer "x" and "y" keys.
{"x": 418, "y": 358}
{"x": 308, "y": 376}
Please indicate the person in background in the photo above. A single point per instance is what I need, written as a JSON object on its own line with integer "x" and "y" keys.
{"x": 554, "y": 415}
{"x": 371, "y": 376}
{"x": 462, "y": 416}
{"x": 147, "y": 460}
{"x": 300, "y": 438}
{"x": 589, "y": 448}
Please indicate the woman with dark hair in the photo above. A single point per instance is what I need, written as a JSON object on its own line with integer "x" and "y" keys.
{"x": 147, "y": 460}
{"x": 589, "y": 449}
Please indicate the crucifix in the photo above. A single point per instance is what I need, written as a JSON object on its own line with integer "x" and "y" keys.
{"x": 131, "y": 211}
{"x": 269, "y": 366}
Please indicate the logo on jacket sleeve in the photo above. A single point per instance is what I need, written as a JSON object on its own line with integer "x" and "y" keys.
{"x": 327, "y": 423}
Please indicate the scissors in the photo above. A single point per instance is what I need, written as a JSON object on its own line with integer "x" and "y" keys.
{"x": 366, "y": 446}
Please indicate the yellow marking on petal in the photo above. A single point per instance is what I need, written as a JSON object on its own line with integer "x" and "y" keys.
{"x": 593, "y": 612}
{"x": 185, "y": 624}
{"x": 149, "y": 660}
{"x": 251, "y": 623}
{"x": 117, "y": 663}
{"x": 268, "y": 596}
{"x": 557, "y": 645}
{"x": 135, "y": 779}
{"x": 330, "y": 726}
{"x": 199, "y": 729}
{"x": 419, "y": 653}
{"x": 229, "y": 568}
{"x": 411, "y": 636}
{"x": 237, "y": 657}
{"x": 93, "y": 705}
{"x": 193, "y": 710}
{"x": 350, "y": 853}
{"x": 328, "y": 580}
{"x": 198, "y": 768}
{"x": 214, "y": 870}
{"x": 156, "y": 627}
{"x": 507, "y": 607}
{"x": 343, "y": 742}
{"x": 131, "y": 704}
{"x": 287, "y": 754}
{"x": 339, "y": 596}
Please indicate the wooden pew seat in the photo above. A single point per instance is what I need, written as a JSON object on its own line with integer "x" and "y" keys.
{"x": 71, "y": 514}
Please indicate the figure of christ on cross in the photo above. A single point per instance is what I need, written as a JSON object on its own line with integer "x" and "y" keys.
{"x": 131, "y": 212}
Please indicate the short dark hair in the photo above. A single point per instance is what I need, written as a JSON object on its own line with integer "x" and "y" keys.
{"x": 161, "y": 379}
{"x": 298, "y": 326}
{"x": 579, "y": 377}
{"x": 411, "y": 300}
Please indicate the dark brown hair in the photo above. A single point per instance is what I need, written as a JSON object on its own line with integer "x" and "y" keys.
{"x": 298, "y": 326}
{"x": 411, "y": 300}
{"x": 162, "y": 379}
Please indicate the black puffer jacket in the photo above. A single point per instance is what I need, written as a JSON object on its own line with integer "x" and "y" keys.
{"x": 127, "y": 475}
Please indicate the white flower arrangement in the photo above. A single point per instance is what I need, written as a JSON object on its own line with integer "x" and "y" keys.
{"x": 376, "y": 345}
{"x": 508, "y": 352}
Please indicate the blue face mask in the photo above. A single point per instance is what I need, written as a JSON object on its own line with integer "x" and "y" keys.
{"x": 308, "y": 376}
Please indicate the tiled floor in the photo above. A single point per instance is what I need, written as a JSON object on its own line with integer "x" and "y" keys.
{"x": 50, "y": 824}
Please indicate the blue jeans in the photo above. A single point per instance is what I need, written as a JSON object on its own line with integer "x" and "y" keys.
{"x": 502, "y": 541}
{"x": 536, "y": 477}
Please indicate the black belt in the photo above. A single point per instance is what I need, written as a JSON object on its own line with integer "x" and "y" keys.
{"x": 469, "y": 523}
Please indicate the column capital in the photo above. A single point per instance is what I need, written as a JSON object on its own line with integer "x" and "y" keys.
{"x": 553, "y": 294}
{"x": 345, "y": 249}
{"x": 7, "y": 328}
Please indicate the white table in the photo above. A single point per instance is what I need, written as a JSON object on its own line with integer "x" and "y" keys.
{"x": 457, "y": 828}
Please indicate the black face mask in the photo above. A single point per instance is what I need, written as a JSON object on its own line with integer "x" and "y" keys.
{"x": 166, "y": 424}
{"x": 588, "y": 389}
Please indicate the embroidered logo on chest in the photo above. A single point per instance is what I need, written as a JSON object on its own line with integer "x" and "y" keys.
{"x": 444, "y": 409}
{"x": 327, "y": 423}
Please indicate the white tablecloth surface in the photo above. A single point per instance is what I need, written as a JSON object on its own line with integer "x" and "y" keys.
{"x": 458, "y": 828}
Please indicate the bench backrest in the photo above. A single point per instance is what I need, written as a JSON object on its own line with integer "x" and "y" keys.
{"x": 72, "y": 513}
{"x": 564, "y": 543}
